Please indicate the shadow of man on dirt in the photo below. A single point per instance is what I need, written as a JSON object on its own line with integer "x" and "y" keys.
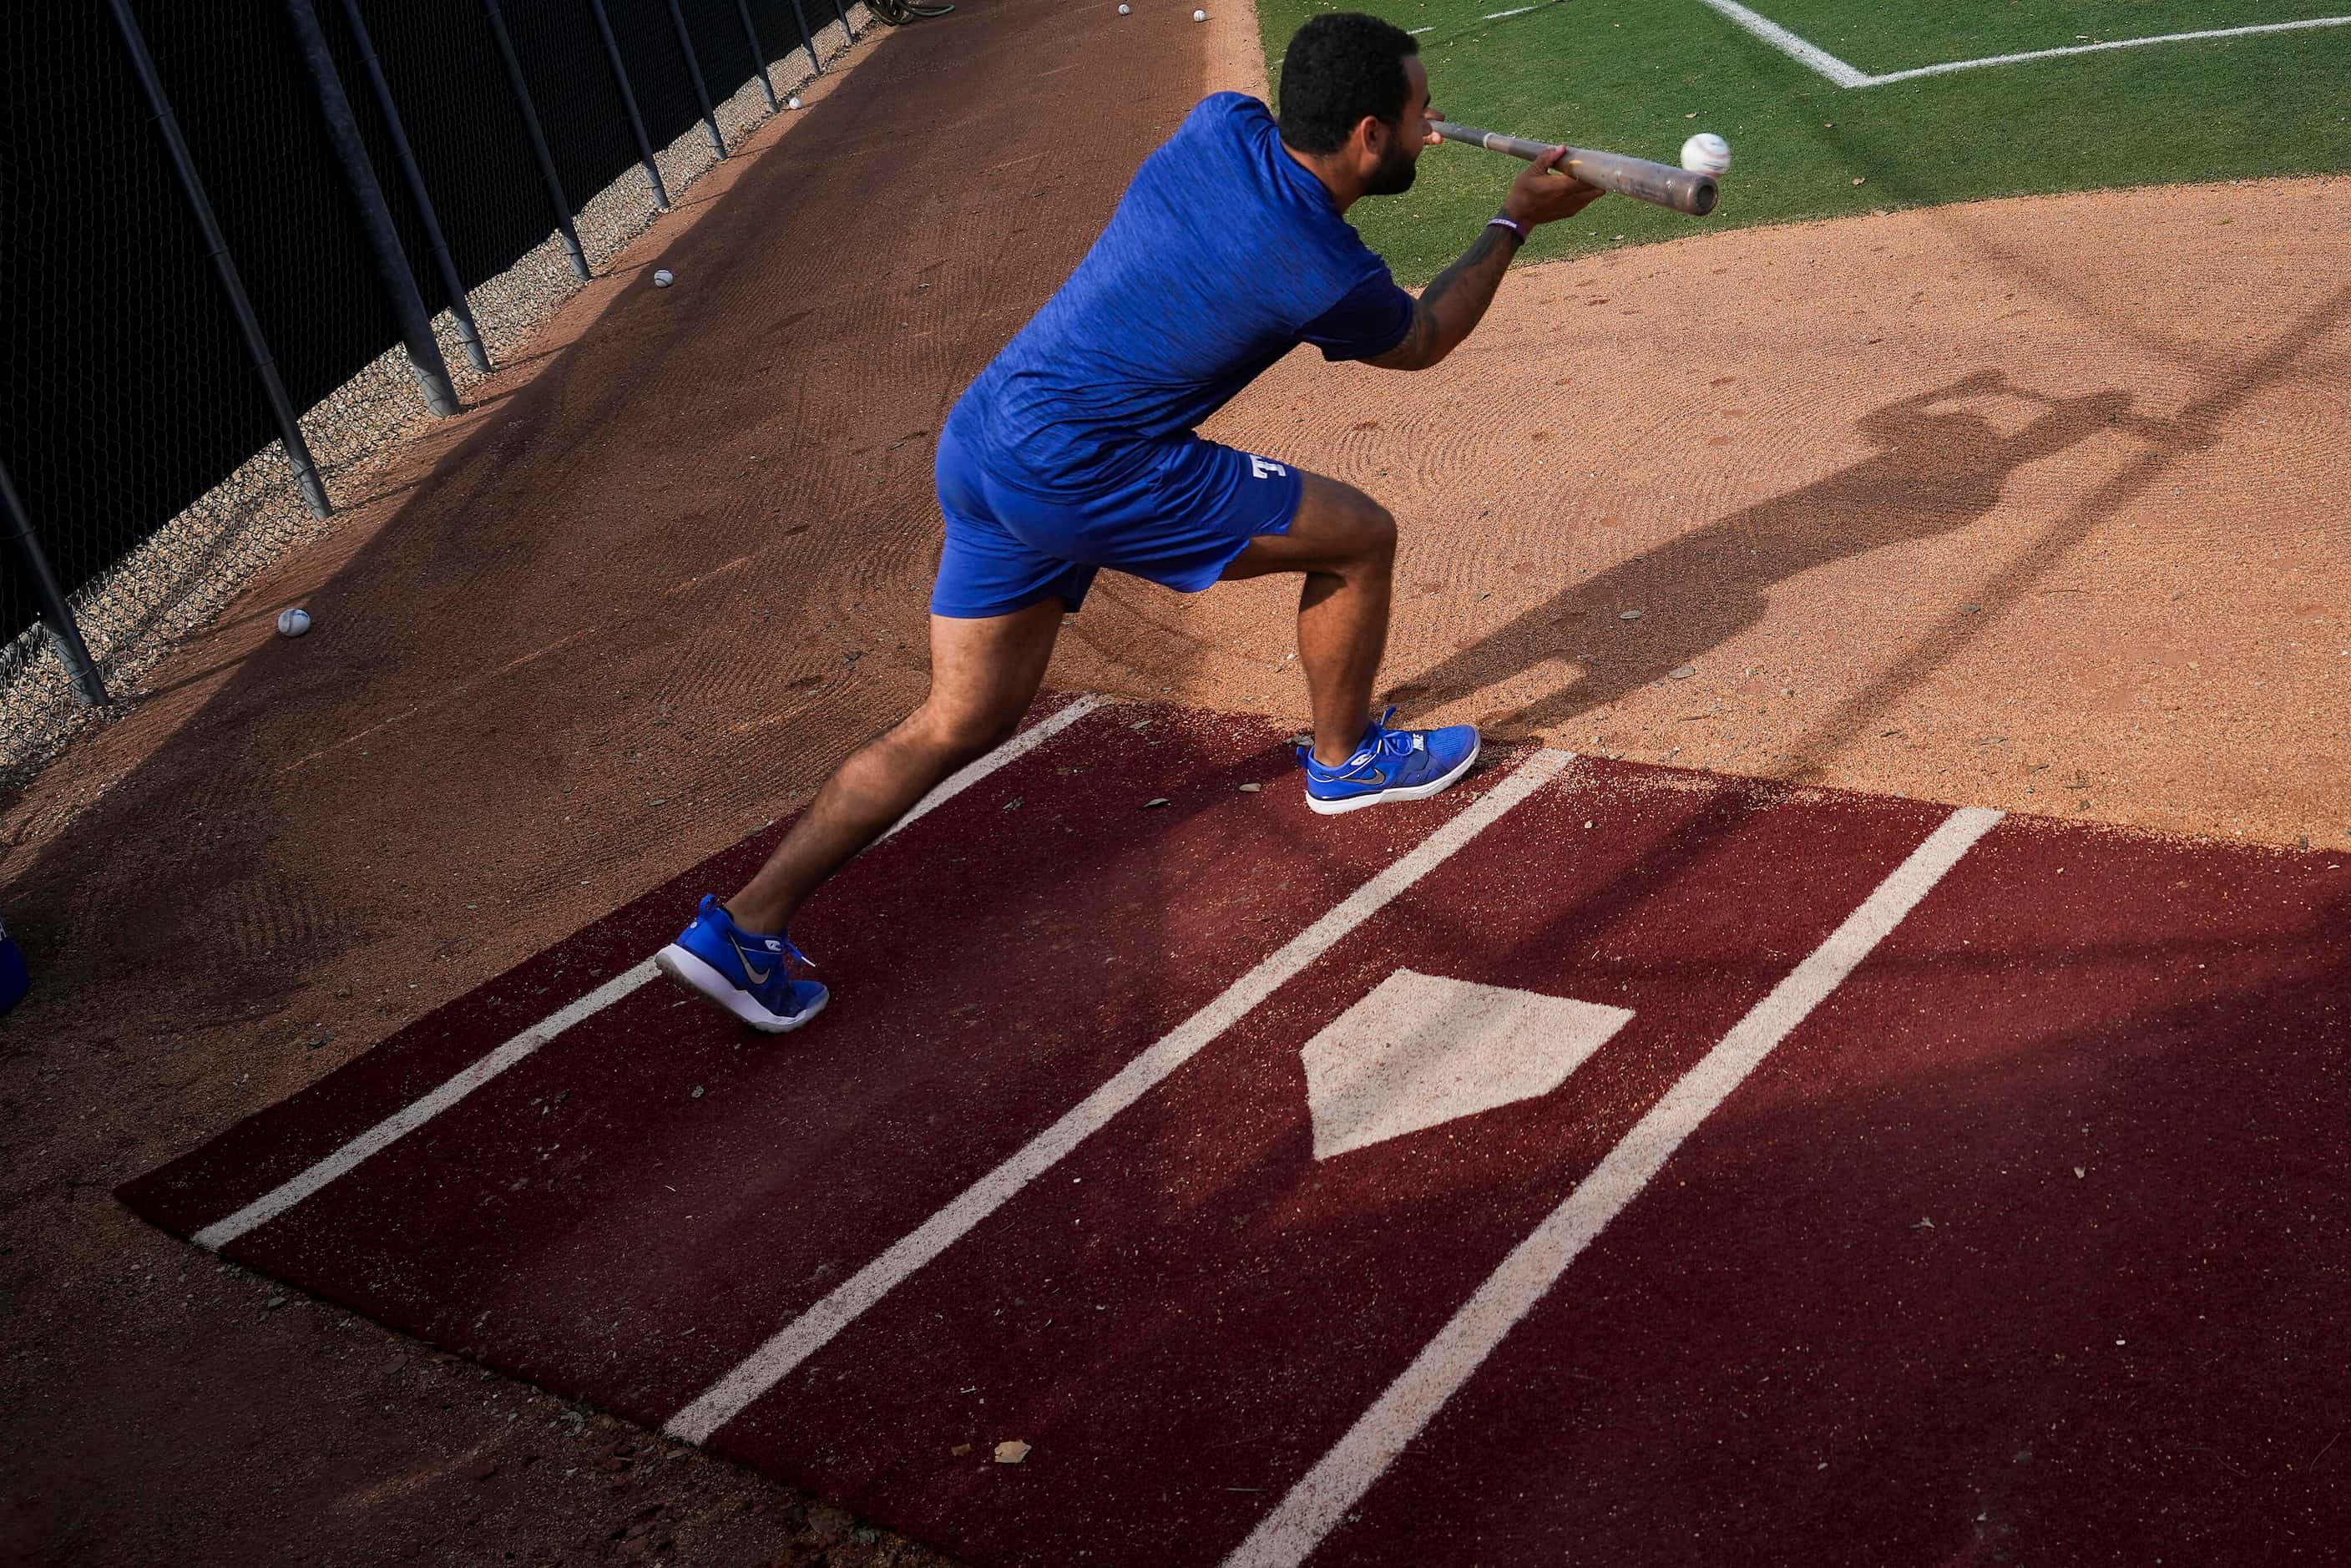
{"x": 1937, "y": 469}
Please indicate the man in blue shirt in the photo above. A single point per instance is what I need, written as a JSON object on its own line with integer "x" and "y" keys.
{"x": 1074, "y": 451}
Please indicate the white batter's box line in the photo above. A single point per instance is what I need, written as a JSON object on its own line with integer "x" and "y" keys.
{"x": 1020, "y": 745}
{"x": 814, "y": 1328}
{"x": 483, "y": 1069}
{"x": 1321, "y": 1499}
{"x": 1812, "y": 56}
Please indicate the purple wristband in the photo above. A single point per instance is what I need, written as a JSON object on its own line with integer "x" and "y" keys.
{"x": 1504, "y": 220}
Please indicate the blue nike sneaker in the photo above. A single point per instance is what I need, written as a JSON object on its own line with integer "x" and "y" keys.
{"x": 1390, "y": 765}
{"x": 744, "y": 973}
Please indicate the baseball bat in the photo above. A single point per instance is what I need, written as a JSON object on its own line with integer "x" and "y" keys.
{"x": 1684, "y": 190}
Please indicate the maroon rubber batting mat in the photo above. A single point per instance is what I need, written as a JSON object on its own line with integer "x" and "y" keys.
{"x": 1597, "y": 1163}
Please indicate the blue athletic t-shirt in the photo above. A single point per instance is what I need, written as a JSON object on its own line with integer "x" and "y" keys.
{"x": 1223, "y": 254}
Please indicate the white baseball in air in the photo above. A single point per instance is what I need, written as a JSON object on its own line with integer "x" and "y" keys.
{"x": 1706, "y": 154}
{"x": 661, "y": 279}
{"x": 293, "y": 622}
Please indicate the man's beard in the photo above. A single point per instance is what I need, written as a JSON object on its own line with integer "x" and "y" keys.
{"x": 1395, "y": 175}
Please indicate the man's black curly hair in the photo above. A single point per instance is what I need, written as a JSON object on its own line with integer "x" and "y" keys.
{"x": 1339, "y": 68}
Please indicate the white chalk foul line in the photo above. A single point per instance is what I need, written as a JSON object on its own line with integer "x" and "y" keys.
{"x": 1285, "y": 1537}
{"x": 1951, "y": 66}
{"x": 809, "y": 1333}
{"x": 1491, "y": 15}
{"x": 1844, "y": 75}
{"x": 414, "y": 1114}
{"x": 1787, "y": 44}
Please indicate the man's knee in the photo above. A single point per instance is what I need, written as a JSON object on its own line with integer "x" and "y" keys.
{"x": 1344, "y": 524}
{"x": 958, "y": 735}
{"x": 1374, "y": 527}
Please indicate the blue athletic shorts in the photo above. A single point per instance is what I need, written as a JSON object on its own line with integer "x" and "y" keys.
{"x": 1179, "y": 524}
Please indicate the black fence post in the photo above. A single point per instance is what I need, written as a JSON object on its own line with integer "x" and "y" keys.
{"x": 375, "y": 218}
{"x": 629, "y": 102}
{"x": 848, "y": 34}
{"x": 167, "y": 124}
{"x": 758, "y": 53}
{"x": 452, "y": 283}
{"x": 536, "y": 134}
{"x": 807, "y": 39}
{"x": 694, "y": 74}
{"x": 72, "y": 652}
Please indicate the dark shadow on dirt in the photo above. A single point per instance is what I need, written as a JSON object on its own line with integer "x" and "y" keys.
{"x": 2169, "y": 443}
{"x": 1937, "y": 468}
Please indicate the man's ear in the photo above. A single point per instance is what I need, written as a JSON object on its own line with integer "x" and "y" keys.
{"x": 1370, "y": 134}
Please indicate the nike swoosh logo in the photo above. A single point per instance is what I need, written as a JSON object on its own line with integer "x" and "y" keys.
{"x": 756, "y": 978}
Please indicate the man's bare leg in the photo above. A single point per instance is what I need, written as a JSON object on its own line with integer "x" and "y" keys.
{"x": 984, "y": 674}
{"x": 1346, "y": 544}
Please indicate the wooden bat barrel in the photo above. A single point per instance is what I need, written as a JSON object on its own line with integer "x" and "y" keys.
{"x": 1684, "y": 190}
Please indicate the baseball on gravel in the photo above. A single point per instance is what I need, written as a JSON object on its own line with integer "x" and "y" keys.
{"x": 293, "y": 622}
{"x": 661, "y": 279}
{"x": 1706, "y": 154}
{"x": 1200, "y": 16}
{"x": 793, "y": 101}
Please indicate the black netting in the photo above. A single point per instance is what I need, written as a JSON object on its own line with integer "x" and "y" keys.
{"x": 376, "y": 133}
{"x": 724, "y": 55}
{"x": 464, "y": 128}
{"x": 132, "y": 418}
{"x": 572, "y": 83}
{"x": 657, "y": 67}
{"x": 250, "y": 114}
{"x": 127, "y": 391}
{"x": 780, "y": 27}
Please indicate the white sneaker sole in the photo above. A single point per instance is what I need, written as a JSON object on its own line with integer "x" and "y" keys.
{"x": 691, "y": 972}
{"x": 1408, "y": 793}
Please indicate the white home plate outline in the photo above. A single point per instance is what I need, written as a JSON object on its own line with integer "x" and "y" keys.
{"x": 814, "y": 1328}
{"x": 1418, "y": 1050}
{"x": 1815, "y": 58}
{"x": 1285, "y": 1537}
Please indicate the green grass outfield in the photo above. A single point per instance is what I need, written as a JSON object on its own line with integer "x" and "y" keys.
{"x": 1639, "y": 76}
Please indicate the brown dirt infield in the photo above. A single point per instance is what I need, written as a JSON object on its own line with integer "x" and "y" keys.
{"x": 2024, "y": 505}
{"x": 2029, "y": 504}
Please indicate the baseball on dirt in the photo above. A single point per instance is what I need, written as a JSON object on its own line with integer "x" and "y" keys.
{"x": 1122, "y": 10}
{"x": 661, "y": 279}
{"x": 1200, "y": 16}
{"x": 1706, "y": 154}
{"x": 293, "y": 622}
{"x": 793, "y": 101}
